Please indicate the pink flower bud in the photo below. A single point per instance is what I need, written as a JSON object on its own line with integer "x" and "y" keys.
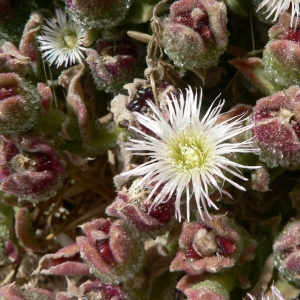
{"x": 195, "y": 34}
{"x": 19, "y": 104}
{"x": 212, "y": 245}
{"x": 112, "y": 250}
{"x": 286, "y": 252}
{"x": 281, "y": 57}
{"x": 30, "y": 168}
{"x": 277, "y": 128}
{"x": 115, "y": 63}
{"x": 130, "y": 206}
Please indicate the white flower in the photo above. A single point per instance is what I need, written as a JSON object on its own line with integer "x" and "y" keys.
{"x": 61, "y": 42}
{"x": 189, "y": 154}
{"x": 276, "y": 295}
{"x": 278, "y": 6}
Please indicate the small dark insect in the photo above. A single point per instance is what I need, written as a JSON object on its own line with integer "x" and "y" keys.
{"x": 138, "y": 103}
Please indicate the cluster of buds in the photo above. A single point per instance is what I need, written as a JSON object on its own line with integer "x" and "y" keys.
{"x": 195, "y": 35}
{"x": 187, "y": 150}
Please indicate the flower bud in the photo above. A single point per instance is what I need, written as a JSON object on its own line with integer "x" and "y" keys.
{"x": 19, "y": 104}
{"x": 130, "y": 206}
{"x": 277, "y": 128}
{"x": 212, "y": 245}
{"x": 286, "y": 252}
{"x": 30, "y": 168}
{"x": 112, "y": 250}
{"x": 99, "y": 14}
{"x": 115, "y": 63}
{"x": 195, "y": 34}
{"x": 281, "y": 57}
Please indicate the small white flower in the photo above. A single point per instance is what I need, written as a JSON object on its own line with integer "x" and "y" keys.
{"x": 62, "y": 41}
{"x": 276, "y": 295}
{"x": 189, "y": 154}
{"x": 278, "y": 6}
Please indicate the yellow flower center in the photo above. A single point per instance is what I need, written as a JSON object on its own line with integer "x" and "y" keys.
{"x": 70, "y": 41}
{"x": 189, "y": 151}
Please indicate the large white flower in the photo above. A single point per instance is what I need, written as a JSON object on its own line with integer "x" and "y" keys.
{"x": 278, "y": 6}
{"x": 189, "y": 154}
{"x": 62, "y": 41}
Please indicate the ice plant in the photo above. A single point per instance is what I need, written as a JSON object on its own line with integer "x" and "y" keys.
{"x": 278, "y": 6}
{"x": 115, "y": 63}
{"x": 211, "y": 246}
{"x": 188, "y": 154}
{"x": 286, "y": 252}
{"x": 276, "y": 128}
{"x": 61, "y": 42}
{"x": 281, "y": 53}
{"x": 30, "y": 167}
{"x": 195, "y": 34}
